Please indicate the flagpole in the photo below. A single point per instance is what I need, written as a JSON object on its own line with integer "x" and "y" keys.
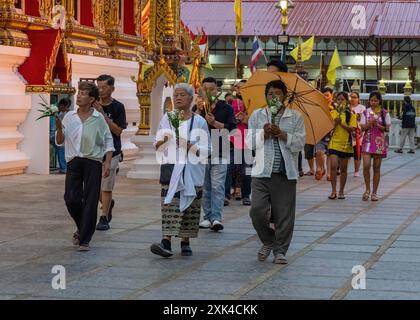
{"x": 265, "y": 57}
{"x": 258, "y": 39}
{"x": 236, "y": 55}
{"x": 320, "y": 71}
{"x": 345, "y": 78}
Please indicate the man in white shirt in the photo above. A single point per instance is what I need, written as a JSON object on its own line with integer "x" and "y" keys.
{"x": 86, "y": 138}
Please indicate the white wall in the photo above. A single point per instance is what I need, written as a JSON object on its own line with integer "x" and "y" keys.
{"x": 37, "y": 137}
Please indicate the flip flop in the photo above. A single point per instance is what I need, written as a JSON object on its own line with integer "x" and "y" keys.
{"x": 366, "y": 196}
{"x": 374, "y": 197}
{"x": 332, "y": 196}
{"x": 341, "y": 196}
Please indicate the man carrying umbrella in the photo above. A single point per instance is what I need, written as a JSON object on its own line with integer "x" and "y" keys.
{"x": 278, "y": 135}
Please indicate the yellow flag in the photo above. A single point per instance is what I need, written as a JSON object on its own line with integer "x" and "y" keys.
{"x": 334, "y": 64}
{"x": 306, "y": 49}
{"x": 237, "y": 7}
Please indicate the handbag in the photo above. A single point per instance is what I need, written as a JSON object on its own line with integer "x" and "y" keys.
{"x": 167, "y": 168}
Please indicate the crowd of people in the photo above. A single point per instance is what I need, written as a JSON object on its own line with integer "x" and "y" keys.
{"x": 213, "y": 140}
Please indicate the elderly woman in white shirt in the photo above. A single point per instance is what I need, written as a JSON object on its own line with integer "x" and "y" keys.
{"x": 181, "y": 198}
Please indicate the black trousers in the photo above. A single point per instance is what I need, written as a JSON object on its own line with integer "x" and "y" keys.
{"x": 274, "y": 198}
{"x": 82, "y": 191}
{"x": 300, "y": 162}
{"x": 246, "y": 175}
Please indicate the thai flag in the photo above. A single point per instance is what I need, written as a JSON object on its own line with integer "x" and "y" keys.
{"x": 257, "y": 52}
{"x": 203, "y": 43}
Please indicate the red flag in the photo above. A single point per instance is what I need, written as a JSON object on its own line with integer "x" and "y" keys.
{"x": 203, "y": 43}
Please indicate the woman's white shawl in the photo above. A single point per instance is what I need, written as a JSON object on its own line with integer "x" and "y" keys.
{"x": 194, "y": 171}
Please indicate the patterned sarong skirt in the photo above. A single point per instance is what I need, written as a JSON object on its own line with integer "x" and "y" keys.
{"x": 180, "y": 224}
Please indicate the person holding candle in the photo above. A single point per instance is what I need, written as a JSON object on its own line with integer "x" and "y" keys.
{"x": 375, "y": 123}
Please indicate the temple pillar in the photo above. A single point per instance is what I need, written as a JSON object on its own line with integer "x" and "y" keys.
{"x": 36, "y": 143}
{"x": 14, "y": 107}
{"x": 146, "y": 166}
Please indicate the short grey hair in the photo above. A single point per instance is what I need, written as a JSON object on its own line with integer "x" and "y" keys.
{"x": 186, "y": 87}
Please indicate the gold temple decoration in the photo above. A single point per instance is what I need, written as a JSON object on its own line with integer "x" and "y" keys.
{"x": 113, "y": 31}
{"x": 111, "y": 13}
{"x": 7, "y": 5}
{"x": 45, "y": 9}
{"x": 164, "y": 21}
{"x": 69, "y": 5}
{"x": 162, "y": 45}
{"x": 137, "y": 16}
{"x": 195, "y": 56}
{"x": 145, "y": 22}
{"x": 169, "y": 21}
{"x": 58, "y": 89}
{"x": 382, "y": 87}
{"x": 50, "y": 63}
{"x": 408, "y": 89}
{"x": 11, "y": 25}
{"x": 144, "y": 88}
{"x": 98, "y": 12}
{"x": 170, "y": 46}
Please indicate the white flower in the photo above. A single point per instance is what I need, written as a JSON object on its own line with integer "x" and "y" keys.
{"x": 54, "y": 108}
{"x": 274, "y": 109}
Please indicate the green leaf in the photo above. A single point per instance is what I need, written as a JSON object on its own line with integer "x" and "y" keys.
{"x": 43, "y": 116}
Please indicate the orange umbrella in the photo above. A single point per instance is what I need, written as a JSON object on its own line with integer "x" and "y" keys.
{"x": 301, "y": 96}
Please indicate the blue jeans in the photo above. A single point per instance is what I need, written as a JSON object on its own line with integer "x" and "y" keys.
{"x": 61, "y": 158}
{"x": 60, "y": 153}
{"x": 214, "y": 191}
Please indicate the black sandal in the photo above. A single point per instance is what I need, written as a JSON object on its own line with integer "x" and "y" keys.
{"x": 186, "y": 250}
{"x": 341, "y": 196}
{"x": 332, "y": 196}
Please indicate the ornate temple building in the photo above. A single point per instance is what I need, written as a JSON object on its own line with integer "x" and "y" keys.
{"x": 47, "y": 47}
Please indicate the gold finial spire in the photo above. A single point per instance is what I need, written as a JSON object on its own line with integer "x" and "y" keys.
{"x": 169, "y": 21}
{"x": 162, "y": 58}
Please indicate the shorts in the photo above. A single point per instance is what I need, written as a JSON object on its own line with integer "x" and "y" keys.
{"x": 340, "y": 154}
{"x": 321, "y": 146}
{"x": 309, "y": 151}
{"x": 355, "y": 153}
{"x": 108, "y": 183}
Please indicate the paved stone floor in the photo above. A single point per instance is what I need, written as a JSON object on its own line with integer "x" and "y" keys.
{"x": 330, "y": 238}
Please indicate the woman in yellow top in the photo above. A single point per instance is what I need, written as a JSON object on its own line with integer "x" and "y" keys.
{"x": 340, "y": 147}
